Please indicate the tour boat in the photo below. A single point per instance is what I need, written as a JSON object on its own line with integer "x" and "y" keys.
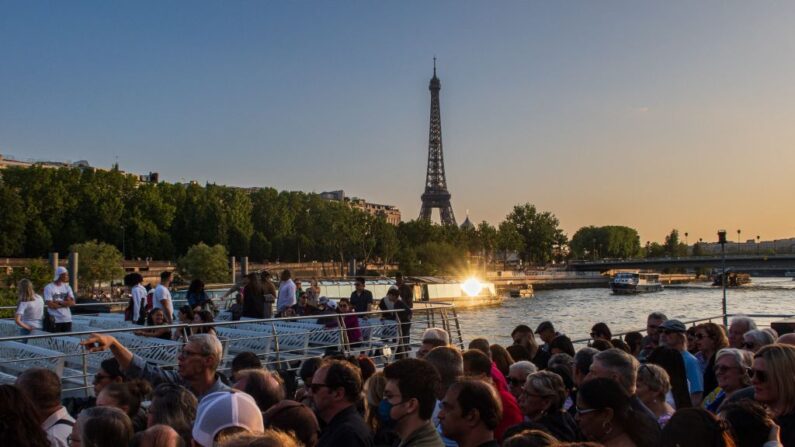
{"x": 733, "y": 279}
{"x": 632, "y": 282}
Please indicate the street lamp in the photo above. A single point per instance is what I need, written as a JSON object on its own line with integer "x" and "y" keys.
{"x": 686, "y": 246}
{"x": 722, "y": 242}
{"x": 757, "y": 245}
{"x": 738, "y": 241}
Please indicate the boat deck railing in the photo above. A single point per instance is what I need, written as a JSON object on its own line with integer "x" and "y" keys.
{"x": 280, "y": 343}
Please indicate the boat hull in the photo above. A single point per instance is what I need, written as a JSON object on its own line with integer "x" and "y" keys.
{"x": 629, "y": 289}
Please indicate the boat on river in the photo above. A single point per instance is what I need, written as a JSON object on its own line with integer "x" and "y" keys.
{"x": 625, "y": 283}
{"x": 733, "y": 279}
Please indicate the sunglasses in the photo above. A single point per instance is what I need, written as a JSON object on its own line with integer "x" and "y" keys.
{"x": 747, "y": 345}
{"x": 515, "y": 382}
{"x": 759, "y": 375}
{"x": 585, "y": 410}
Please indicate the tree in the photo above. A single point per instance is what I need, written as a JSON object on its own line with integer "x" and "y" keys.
{"x": 12, "y": 222}
{"x": 539, "y": 231}
{"x": 672, "y": 246}
{"x": 99, "y": 262}
{"x": 488, "y": 239}
{"x": 204, "y": 262}
{"x": 508, "y": 239}
{"x": 387, "y": 243}
{"x": 613, "y": 241}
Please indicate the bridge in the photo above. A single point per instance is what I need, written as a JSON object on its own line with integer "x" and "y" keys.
{"x": 770, "y": 263}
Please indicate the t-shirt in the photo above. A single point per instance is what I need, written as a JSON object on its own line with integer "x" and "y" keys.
{"x": 58, "y": 427}
{"x": 139, "y": 300}
{"x": 286, "y": 295}
{"x": 695, "y": 380}
{"x": 57, "y": 293}
{"x": 32, "y": 311}
{"x": 163, "y": 294}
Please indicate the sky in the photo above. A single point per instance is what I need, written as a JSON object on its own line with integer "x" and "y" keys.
{"x": 654, "y": 115}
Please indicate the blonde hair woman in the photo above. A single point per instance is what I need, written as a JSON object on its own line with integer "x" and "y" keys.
{"x": 774, "y": 386}
{"x": 652, "y": 387}
{"x": 30, "y": 308}
{"x": 373, "y": 395}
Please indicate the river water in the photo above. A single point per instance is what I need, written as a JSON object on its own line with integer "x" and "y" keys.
{"x": 574, "y": 311}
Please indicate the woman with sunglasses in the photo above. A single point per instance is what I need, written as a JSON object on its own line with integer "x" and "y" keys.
{"x": 710, "y": 338}
{"x": 774, "y": 385}
{"x": 541, "y": 401}
{"x": 755, "y": 339}
{"x": 605, "y": 415}
{"x": 652, "y": 388}
{"x": 731, "y": 372}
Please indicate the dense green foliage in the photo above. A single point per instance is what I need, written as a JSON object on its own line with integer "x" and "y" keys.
{"x": 99, "y": 262}
{"x": 37, "y": 271}
{"x": 206, "y": 263}
{"x": 605, "y": 242}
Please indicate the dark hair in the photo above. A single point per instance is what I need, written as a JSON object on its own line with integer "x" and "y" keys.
{"x": 696, "y": 427}
{"x": 476, "y": 362}
{"x": 42, "y": 386}
{"x": 150, "y": 316}
{"x": 366, "y": 366}
{"x": 133, "y": 279}
{"x": 448, "y": 362}
{"x": 253, "y": 286}
{"x": 309, "y": 367}
{"x": 602, "y": 329}
{"x": 187, "y": 310}
{"x": 417, "y": 379}
{"x": 531, "y": 438}
{"x": 291, "y": 416}
{"x": 121, "y": 393}
{"x": 479, "y": 395}
{"x": 196, "y": 286}
{"x": 265, "y": 392}
{"x": 265, "y": 275}
{"x": 398, "y": 275}
{"x": 175, "y": 406}
{"x": 563, "y": 343}
{"x": 482, "y": 345}
{"x": 518, "y": 353}
{"x": 105, "y": 426}
{"x": 206, "y": 317}
{"x": 522, "y": 328}
{"x": 360, "y": 279}
{"x": 583, "y": 359}
{"x": 246, "y": 360}
{"x": 604, "y": 393}
{"x": 111, "y": 366}
{"x": 672, "y": 362}
{"x": 601, "y": 345}
{"x": 619, "y": 344}
{"x": 342, "y": 374}
{"x": 19, "y": 422}
{"x": 750, "y": 422}
{"x": 565, "y": 376}
{"x": 165, "y": 275}
{"x": 286, "y": 274}
{"x": 502, "y": 358}
{"x": 634, "y": 340}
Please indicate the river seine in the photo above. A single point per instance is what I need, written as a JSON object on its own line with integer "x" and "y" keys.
{"x": 574, "y": 311}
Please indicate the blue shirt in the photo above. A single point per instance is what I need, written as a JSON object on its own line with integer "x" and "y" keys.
{"x": 141, "y": 369}
{"x": 695, "y": 379}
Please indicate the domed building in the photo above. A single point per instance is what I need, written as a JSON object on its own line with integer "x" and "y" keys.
{"x": 467, "y": 225}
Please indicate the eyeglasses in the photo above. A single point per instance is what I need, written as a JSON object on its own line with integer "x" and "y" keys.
{"x": 528, "y": 393}
{"x": 747, "y": 345}
{"x": 759, "y": 375}
{"x": 515, "y": 382}
{"x": 315, "y": 387}
{"x": 722, "y": 369}
{"x": 585, "y": 410}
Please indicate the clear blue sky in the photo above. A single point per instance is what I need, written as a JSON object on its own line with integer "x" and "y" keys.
{"x": 634, "y": 113}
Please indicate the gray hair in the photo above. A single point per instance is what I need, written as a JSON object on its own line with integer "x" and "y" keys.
{"x": 101, "y": 426}
{"x": 175, "y": 406}
{"x": 525, "y": 367}
{"x": 749, "y": 323}
{"x": 655, "y": 378}
{"x": 561, "y": 359}
{"x": 760, "y": 337}
{"x": 742, "y": 358}
{"x": 448, "y": 362}
{"x": 583, "y": 359}
{"x": 621, "y": 363}
{"x": 548, "y": 384}
{"x": 209, "y": 345}
{"x": 657, "y": 316}
{"x": 436, "y": 333}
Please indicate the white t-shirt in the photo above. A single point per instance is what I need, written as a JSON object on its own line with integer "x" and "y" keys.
{"x": 139, "y": 300}
{"x": 32, "y": 311}
{"x": 58, "y": 433}
{"x": 57, "y": 293}
{"x": 163, "y": 294}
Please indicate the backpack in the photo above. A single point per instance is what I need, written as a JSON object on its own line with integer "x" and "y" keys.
{"x": 128, "y": 311}
{"x": 150, "y": 300}
{"x": 48, "y": 321}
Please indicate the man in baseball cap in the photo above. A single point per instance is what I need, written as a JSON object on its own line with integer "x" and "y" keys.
{"x": 223, "y": 414}
{"x": 672, "y": 335}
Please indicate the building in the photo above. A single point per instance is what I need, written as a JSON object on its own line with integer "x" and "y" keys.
{"x": 391, "y": 213}
{"x": 7, "y": 162}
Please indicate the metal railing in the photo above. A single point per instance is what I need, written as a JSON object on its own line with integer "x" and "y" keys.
{"x": 280, "y": 343}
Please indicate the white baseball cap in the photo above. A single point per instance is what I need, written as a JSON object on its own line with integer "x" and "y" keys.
{"x": 224, "y": 409}
{"x": 59, "y": 271}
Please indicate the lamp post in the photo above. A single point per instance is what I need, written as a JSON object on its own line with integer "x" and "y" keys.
{"x": 722, "y": 242}
{"x": 757, "y": 245}
{"x": 738, "y": 241}
{"x": 686, "y": 246}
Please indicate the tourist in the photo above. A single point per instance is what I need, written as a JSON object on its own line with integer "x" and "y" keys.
{"x": 43, "y": 388}
{"x": 162, "y": 297}
{"x": 582, "y": 364}
{"x": 244, "y": 360}
{"x": 501, "y": 358}
{"x": 620, "y": 344}
{"x": 738, "y": 327}
{"x": 531, "y": 438}
{"x": 350, "y": 321}
{"x": 600, "y": 331}
{"x": 306, "y": 373}
{"x": 696, "y": 427}
{"x": 605, "y": 415}
{"x": 136, "y": 309}
{"x": 267, "y": 438}
{"x": 561, "y": 345}
{"x": 692, "y": 348}
{"x": 30, "y": 308}
{"x": 432, "y": 338}
{"x": 519, "y": 353}
{"x": 562, "y": 361}
{"x": 401, "y": 314}
{"x": 751, "y": 424}
{"x": 102, "y": 426}
{"x": 710, "y": 338}
{"x": 619, "y": 366}
{"x": 787, "y": 339}
{"x": 197, "y": 363}
{"x": 119, "y": 395}
{"x": 383, "y": 434}
{"x": 755, "y": 339}
{"x": 255, "y": 303}
{"x": 265, "y": 387}
{"x": 197, "y": 297}
{"x": 449, "y": 364}
{"x": 653, "y": 385}
{"x": 335, "y": 390}
{"x": 292, "y": 417}
{"x": 312, "y": 293}
{"x": 673, "y": 337}
{"x": 635, "y": 342}
{"x": 303, "y": 307}
{"x": 497, "y": 377}
{"x": 270, "y": 288}
{"x": 470, "y": 413}
{"x": 174, "y": 406}
{"x": 522, "y": 335}
{"x": 20, "y": 426}
{"x": 673, "y": 364}
{"x": 652, "y": 339}
{"x": 185, "y": 314}
{"x": 158, "y": 436}
{"x": 541, "y": 401}
{"x": 406, "y": 291}
{"x": 286, "y": 298}
{"x": 299, "y": 292}
{"x": 204, "y": 317}
{"x": 600, "y": 345}
{"x": 59, "y": 297}
{"x": 517, "y": 376}
{"x": 732, "y": 367}
{"x": 361, "y": 298}
{"x": 156, "y": 317}
{"x": 477, "y": 365}
{"x": 774, "y": 386}
{"x": 223, "y": 414}
{"x": 546, "y": 332}
{"x": 409, "y": 402}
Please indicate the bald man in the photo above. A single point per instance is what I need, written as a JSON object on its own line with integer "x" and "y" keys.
{"x": 787, "y": 339}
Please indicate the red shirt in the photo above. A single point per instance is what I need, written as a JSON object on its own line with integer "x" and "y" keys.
{"x": 511, "y": 414}
{"x": 498, "y": 378}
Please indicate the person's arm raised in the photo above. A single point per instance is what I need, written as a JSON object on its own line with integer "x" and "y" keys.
{"x": 100, "y": 342}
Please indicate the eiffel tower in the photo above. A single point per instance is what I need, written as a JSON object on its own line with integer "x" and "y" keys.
{"x": 436, "y": 194}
